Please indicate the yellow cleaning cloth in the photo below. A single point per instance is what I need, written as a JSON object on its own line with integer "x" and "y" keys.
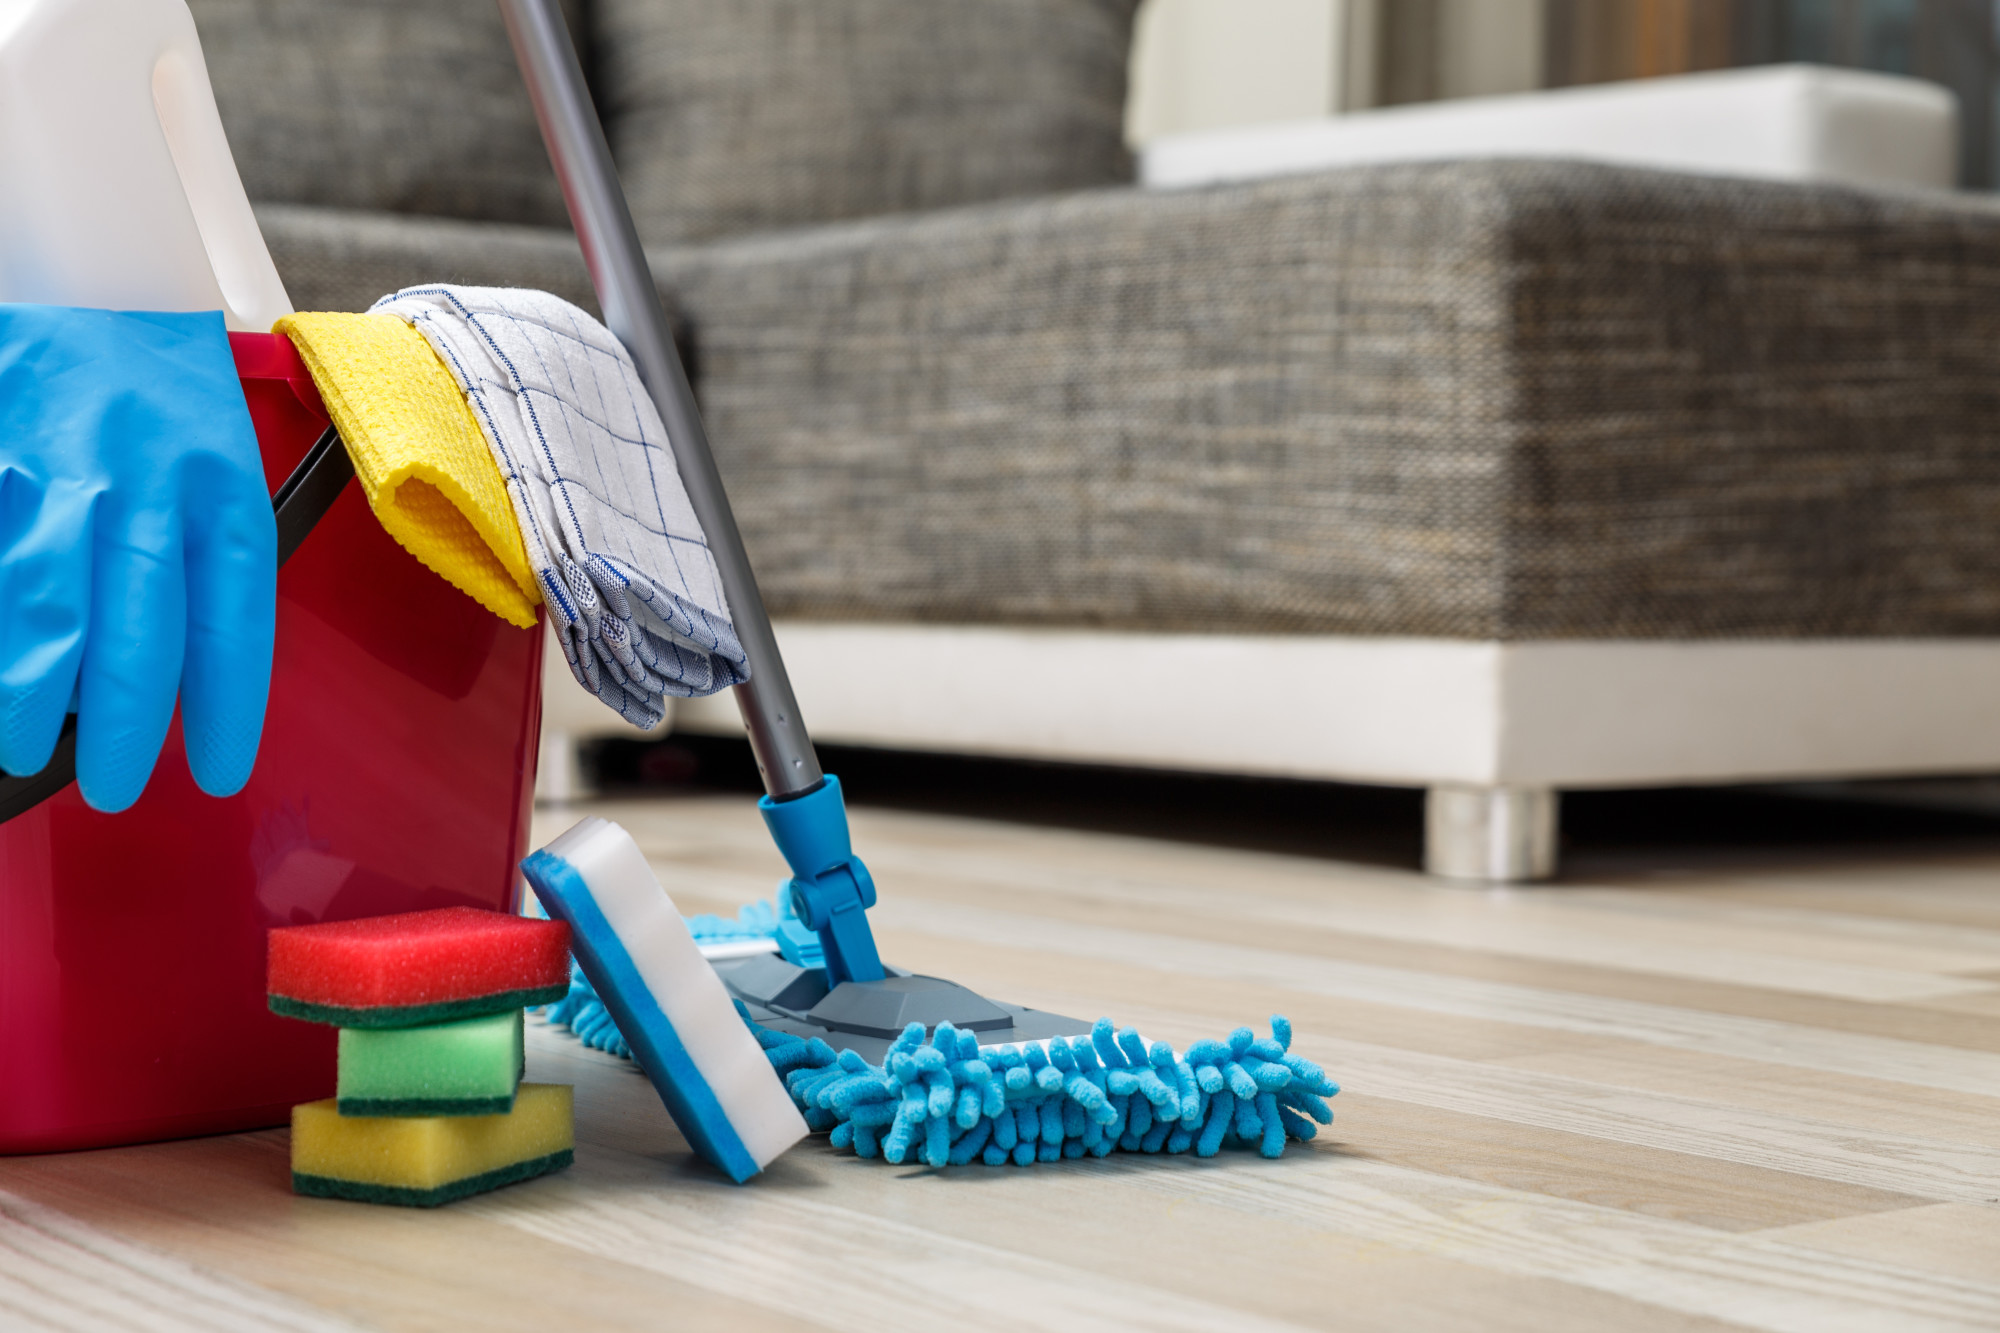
{"x": 425, "y": 468}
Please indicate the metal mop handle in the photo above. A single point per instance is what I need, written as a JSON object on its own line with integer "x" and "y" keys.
{"x": 632, "y": 310}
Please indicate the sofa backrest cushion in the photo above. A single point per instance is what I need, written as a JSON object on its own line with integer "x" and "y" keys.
{"x": 737, "y": 115}
{"x": 410, "y": 106}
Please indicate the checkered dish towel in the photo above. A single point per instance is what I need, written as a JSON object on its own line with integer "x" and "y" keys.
{"x": 631, "y": 586}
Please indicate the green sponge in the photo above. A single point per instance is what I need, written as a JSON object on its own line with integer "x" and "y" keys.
{"x": 470, "y": 1067}
{"x": 332, "y": 1187}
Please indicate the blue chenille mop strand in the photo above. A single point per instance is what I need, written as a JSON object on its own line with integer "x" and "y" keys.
{"x": 948, "y": 1102}
{"x": 753, "y": 921}
{"x": 585, "y": 1015}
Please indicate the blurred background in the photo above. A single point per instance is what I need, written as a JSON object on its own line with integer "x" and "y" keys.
{"x": 1200, "y": 65}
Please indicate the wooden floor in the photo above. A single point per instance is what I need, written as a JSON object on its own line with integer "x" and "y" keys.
{"x": 1755, "y": 1092}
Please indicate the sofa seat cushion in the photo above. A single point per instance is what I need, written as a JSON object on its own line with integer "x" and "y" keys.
{"x": 1495, "y": 401}
{"x": 753, "y": 114}
{"x": 1484, "y": 400}
{"x": 343, "y": 259}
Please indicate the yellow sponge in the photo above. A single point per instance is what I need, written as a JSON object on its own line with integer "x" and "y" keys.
{"x": 423, "y": 1161}
{"x": 422, "y": 462}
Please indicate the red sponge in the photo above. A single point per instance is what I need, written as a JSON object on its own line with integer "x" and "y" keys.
{"x": 417, "y": 967}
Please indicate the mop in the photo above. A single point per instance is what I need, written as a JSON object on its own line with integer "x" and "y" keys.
{"x": 955, "y": 1075}
{"x": 949, "y": 1101}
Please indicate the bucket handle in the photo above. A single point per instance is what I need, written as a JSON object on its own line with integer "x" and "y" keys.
{"x": 301, "y": 502}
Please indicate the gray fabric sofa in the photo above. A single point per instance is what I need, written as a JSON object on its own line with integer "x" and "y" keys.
{"x": 960, "y": 376}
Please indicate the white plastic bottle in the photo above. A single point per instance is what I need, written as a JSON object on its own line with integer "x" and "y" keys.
{"x": 117, "y": 189}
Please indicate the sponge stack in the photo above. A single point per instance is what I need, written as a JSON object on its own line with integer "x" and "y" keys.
{"x": 682, "y": 1026}
{"x": 429, "y": 1106}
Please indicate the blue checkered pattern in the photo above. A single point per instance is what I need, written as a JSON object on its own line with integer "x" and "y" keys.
{"x": 630, "y": 583}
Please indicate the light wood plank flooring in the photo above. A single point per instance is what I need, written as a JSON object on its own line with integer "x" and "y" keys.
{"x": 1746, "y": 1093}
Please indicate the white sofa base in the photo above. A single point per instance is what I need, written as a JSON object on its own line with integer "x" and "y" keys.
{"x": 1449, "y": 715}
{"x": 1401, "y": 712}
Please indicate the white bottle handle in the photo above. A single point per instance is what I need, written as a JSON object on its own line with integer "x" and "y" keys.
{"x": 117, "y": 188}
{"x": 252, "y": 292}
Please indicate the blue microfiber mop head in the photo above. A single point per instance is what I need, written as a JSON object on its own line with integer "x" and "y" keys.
{"x": 946, "y": 1101}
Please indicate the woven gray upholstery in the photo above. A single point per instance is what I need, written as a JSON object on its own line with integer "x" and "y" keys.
{"x": 408, "y": 105}
{"x": 748, "y": 114}
{"x": 340, "y": 259}
{"x": 1503, "y": 400}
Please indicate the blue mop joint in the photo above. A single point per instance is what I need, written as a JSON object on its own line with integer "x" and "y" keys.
{"x": 831, "y": 890}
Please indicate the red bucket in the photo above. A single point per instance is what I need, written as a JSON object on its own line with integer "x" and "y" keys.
{"x": 396, "y": 773}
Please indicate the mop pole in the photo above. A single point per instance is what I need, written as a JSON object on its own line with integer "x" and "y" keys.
{"x": 831, "y": 890}
{"x": 632, "y": 311}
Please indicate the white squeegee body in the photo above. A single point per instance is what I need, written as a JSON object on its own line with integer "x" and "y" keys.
{"x": 682, "y": 1027}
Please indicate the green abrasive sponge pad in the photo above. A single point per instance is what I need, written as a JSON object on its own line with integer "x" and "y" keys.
{"x": 416, "y": 967}
{"x": 423, "y": 1161}
{"x": 470, "y": 1067}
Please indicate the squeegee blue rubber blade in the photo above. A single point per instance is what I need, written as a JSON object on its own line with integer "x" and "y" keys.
{"x": 673, "y": 1010}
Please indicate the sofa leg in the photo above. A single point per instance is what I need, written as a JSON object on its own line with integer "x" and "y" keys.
{"x": 559, "y": 770}
{"x": 1501, "y": 834}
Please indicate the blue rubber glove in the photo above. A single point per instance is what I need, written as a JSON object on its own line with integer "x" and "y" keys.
{"x": 138, "y": 555}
